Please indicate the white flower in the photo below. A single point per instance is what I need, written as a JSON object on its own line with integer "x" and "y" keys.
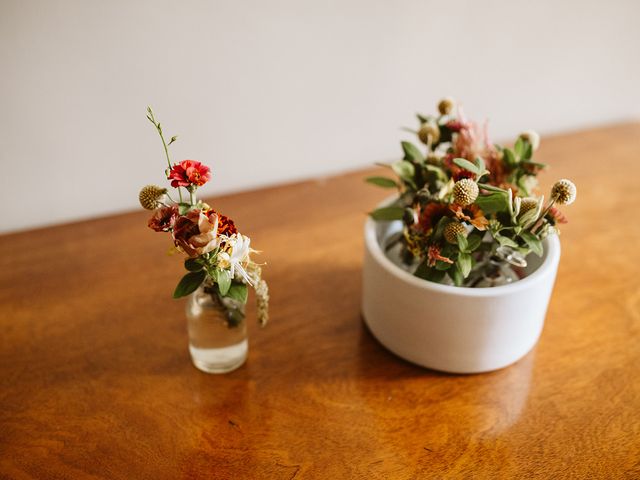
{"x": 224, "y": 260}
{"x": 236, "y": 254}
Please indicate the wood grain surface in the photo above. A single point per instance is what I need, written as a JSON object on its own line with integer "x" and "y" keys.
{"x": 96, "y": 380}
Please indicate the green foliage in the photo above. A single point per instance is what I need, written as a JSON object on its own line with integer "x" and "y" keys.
{"x": 383, "y": 182}
{"x": 426, "y": 272}
{"x": 467, "y": 165}
{"x": 189, "y": 283}
{"x": 493, "y": 202}
{"x": 239, "y": 292}
{"x": 426, "y": 177}
{"x": 193, "y": 264}
{"x": 533, "y": 242}
{"x": 411, "y": 153}
{"x": 387, "y": 213}
{"x": 464, "y": 263}
{"x": 223, "y": 279}
{"x": 406, "y": 171}
{"x": 509, "y": 157}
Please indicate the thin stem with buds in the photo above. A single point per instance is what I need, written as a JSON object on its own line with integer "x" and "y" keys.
{"x": 156, "y": 124}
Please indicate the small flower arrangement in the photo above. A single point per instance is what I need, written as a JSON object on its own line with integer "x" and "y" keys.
{"x": 469, "y": 207}
{"x": 218, "y": 255}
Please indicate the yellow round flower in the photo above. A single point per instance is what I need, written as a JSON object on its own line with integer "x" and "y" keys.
{"x": 452, "y": 230}
{"x": 465, "y": 192}
{"x": 445, "y": 106}
{"x": 150, "y": 196}
{"x": 429, "y": 133}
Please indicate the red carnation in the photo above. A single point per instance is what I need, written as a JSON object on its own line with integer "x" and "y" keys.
{"x": 189, "y": 172}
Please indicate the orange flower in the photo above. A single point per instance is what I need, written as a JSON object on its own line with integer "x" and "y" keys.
{"x": 430, "y": 215}
{"x": 471, "y": 214}
{"x": 557, "y": 215}
{"x": 226, "y": 226}
{"x": 433, "y": 255}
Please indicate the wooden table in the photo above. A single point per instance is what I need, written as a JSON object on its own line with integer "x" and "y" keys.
{"x": 96, "y": 379}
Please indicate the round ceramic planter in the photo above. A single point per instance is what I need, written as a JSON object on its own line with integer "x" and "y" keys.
{"x": 448, "y": 328}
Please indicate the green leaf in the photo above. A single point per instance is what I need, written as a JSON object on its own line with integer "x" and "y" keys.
{"x": 423, "y": 118}
{"x": 505, "y": 241}
{"x": 519, "y": 148}
{"x": 533, "y": 241}
{"x": 456, "y": 275}
{"x": 467, "y": 165}
{"x": 387, "y": 213}
{"x": 193, "y": 264}
{"x": 189, "y": 283}
{"x": 528, "y": 218}
{"x": 383, "y": 182}
{"x": 509, "y": 157}
{"x": 405, "y": 170}
{"x": 464, "y": 263}
{"x": 535, "y": 164}
{"x": 437, "y": 170}
{"x": 223, "y": 279}
{"x": 491, "y": 188}
{"x": 473, "y": 242}
{"x": 462, "y": 242}
{"x": 425, "y": 272}
{"x": 493, "y": 202}
{"x": 239, "y": 292}
{"x": 412, "y": 153}
{"x": 480, "y": 165}
{"x": 528, "y": 151}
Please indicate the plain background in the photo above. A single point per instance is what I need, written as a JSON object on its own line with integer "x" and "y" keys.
{"x": 267, "y": 92}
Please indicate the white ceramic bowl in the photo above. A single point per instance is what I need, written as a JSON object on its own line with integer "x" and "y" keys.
{"x": 448, "y": 328}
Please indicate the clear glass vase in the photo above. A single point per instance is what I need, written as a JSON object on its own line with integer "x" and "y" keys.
{"x": 217, "y": 331}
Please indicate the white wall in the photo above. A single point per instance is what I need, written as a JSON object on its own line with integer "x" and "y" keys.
{"x": 270, "y": 91}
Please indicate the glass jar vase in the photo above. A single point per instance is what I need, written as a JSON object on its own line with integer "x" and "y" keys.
{"x": 217, "y": 331}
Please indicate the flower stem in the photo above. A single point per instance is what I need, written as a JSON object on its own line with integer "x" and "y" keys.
{"x": 540, "y": 221}
{"x": 152, "y": 119}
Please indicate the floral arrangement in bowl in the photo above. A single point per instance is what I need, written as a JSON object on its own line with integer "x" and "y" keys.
{"x": 218, "y": 256}
{"x": 471, "y": 209}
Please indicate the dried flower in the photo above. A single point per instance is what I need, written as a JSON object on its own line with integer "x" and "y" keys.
{"x": 429, "y": 133}
{"x": 262, "y": 302}
{"x": 564, "y": 192}
{"x": 226, "y": 226}
{"x": 472, "y": 214}
{"x": 431, "y": 214}
{"x": 445, "y": 106}
{"x": 455, "y": 125}
{"x": 452, "y": 230}
{"x": 528, "y": 204}
{"x": 189, "y": 172}
{"x": 433, "y": 255}
{"x": 532, "y": 137}
{"x": 150, "y": 196}
{"x": 163, "y": 219}
{"x": 557, "y": 215}
{"x": 460, "y": 162}
{"x": 465, "y": 192}
{"x": 196, "y": 232}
